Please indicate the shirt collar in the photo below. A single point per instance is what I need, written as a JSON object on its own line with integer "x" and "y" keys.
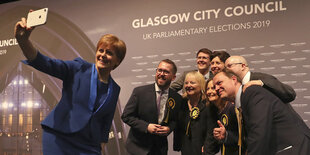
{"x": 246, "y": 78}
{"x": 157, "y": 89}
{"x": 238, "y": 97}
{"x": 207, "y": 76}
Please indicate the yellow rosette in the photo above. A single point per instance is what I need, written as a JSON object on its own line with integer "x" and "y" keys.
{"x": 171, "y": 105}
{"x": 193, "y": 114}
{"x": 224, "y": 119}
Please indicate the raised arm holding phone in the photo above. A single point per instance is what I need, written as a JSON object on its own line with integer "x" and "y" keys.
{"x": 81, "y": 121}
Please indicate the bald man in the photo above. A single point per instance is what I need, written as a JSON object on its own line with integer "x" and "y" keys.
{"x": 239, "y": 66}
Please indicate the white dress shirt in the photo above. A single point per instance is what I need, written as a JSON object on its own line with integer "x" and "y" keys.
{"x": 246, "y": 78}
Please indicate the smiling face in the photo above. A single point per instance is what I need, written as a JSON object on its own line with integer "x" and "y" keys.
{"x": 217, "y": 65}
{"x": 203, "y": 61}
{"x": 164, "y": 75}
{"x": 106, "y": 59}
{"x": 237, "y": 65}
{"x": 210, "y": 92}
{"x": 226, "y": 87}
{"x": 192, "y": 86}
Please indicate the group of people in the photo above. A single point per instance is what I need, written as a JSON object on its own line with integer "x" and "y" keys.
{"x": 221, "y": 106}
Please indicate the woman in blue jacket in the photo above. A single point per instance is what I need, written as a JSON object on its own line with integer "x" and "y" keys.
{"x": 81, "y": 121}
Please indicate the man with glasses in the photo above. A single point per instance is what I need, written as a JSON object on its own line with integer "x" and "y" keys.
{"x": 239, "y": 66}
{"x": 203, "y": 66}
{"x": 151, "y": 113}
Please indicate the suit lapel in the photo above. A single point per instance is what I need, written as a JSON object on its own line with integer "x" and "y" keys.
{"x": 112, "y": 91}
{"x": 170, "y": 105}
{"x": 167, "y": 106}
{"x": 152, "y": 104}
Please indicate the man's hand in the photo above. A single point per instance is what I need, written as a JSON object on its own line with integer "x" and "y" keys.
{"x": 251, "y": 83}
{"x": 152, "y": 128}
{"x": 163, "y": 131}
{"x": 219, "y": 133}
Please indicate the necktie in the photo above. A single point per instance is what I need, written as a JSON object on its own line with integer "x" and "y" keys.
{"x": 158, "y": 101}
{"x": 239, "y": 119}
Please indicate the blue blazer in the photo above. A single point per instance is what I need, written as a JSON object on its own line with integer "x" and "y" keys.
{"x": 75, "y": 110}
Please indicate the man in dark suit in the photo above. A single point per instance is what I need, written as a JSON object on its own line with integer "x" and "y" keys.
{"x": 239, "y": 66}
{"x": 203, "y": 58}
{"x": 271, "y": 127}
{"x": 151, "y": 113}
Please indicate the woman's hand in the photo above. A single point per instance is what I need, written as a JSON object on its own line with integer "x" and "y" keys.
{"x": 21, "y": 32}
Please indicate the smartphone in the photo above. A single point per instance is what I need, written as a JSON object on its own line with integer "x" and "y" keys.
{"x": 36, "y": 18}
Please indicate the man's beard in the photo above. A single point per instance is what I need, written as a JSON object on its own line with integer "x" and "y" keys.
{"x": 165, "y": 84}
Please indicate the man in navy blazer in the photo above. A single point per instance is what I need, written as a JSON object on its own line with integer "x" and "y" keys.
{"x": 271, "y": 127}
{"x": 151, "y": 113}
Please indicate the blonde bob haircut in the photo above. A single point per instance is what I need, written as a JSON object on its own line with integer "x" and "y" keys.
{"x": 118, "y": 45}
{"x": 201, "y": 82}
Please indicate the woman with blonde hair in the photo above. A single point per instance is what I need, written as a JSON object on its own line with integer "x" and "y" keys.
{"x": 195, "y": 118}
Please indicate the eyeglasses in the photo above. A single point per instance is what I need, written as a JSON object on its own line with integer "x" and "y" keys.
{"x": 202, "y": 57}
{"x": 165, "y": 72}
{"x": 230, "y": 65}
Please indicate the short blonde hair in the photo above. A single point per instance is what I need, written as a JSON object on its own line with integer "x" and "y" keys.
{"x": 118, "y": 45}
{"x": 201, "y": 81}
